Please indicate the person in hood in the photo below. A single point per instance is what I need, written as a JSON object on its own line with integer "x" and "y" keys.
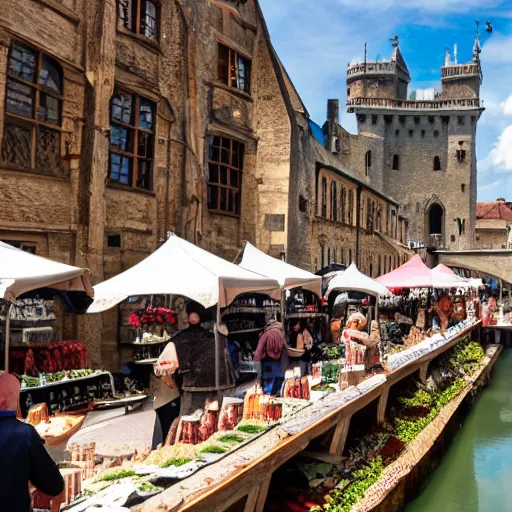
{"x": 23, "y": 455}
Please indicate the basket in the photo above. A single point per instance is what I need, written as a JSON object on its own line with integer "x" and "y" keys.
{"x": 295, "y": 352}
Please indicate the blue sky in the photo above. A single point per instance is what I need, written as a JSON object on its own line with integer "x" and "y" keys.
{"x": 316, "y": 39}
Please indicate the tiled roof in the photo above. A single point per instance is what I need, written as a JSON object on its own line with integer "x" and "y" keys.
{"x": 493, "y": 210}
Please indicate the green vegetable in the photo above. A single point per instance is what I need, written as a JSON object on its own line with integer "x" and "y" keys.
{"x": 176, "y": 462}
{"x": 250, "y": 429}
{"x": 118, "y": 475}
{"x": 344, "y": 496}
{"x": 214, "y": 449}
{"x": 149, "y": 487}
{"x": 231, "y": 438}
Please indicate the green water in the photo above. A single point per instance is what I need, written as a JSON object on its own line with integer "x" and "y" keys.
{"x": 476, "y": 472}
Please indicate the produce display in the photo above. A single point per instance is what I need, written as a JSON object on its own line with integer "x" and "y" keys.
{"x": 407, "y": 417}
{"x": 30, "y": 382}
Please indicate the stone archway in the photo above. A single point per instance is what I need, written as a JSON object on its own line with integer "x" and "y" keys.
{"x": 435, "y": 219}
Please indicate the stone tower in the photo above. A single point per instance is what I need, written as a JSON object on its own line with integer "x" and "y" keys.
{"x": 425, "y": 157}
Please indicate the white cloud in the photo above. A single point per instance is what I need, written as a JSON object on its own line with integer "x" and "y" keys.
{"x": 499, "y": 159}
{"x": 497, "y": 50}
{"x": 507, "y": 106}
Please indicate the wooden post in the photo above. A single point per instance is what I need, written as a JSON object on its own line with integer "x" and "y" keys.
{"x": 340, "y": 436}
{"x": 423, "y": 372}
{"x": 383, "y": 401}
{"x": 262, "y": 495}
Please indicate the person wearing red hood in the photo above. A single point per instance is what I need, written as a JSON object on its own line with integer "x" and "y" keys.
{"x": 23, "y": 455}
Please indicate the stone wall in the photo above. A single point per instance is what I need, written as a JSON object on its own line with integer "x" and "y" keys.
{"x": 76, "y": 214}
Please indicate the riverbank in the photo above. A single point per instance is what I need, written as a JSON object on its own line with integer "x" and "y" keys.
{"x": 402, "y": 480}
{"x": 474, "y": 475}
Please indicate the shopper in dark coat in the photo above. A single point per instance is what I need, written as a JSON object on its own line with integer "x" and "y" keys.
{"x": 23, "y": 456}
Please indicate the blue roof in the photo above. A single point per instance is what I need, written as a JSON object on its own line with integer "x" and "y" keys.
{"x": 317, "y": 132}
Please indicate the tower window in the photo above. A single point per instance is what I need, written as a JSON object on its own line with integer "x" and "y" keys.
{"x": 461, "y": 120}
{"x": 436, "y": 133}
{"x": 431, "y": 119}
{"x": 374, "y": 119}
{"x": 416, "y": 119}
{"x": 348, "y": 91}
{"x": 463, "y": 187}
{"x": 368, "y": 162}
{"x": 397, "y": 132}
{"x": 388, "y": 119}
{"x": 396, "y": 162}
{"x": 423, "y": 133}
{"x": 437, "y": 163}
{"x": 401, "y": 119}
{"x": 446, "y": 119}
{"x": 411, "y": 133}
{"x": 461, "y": 156}
{"x": 361, "y": 118}
{"x": 114, "y": 240}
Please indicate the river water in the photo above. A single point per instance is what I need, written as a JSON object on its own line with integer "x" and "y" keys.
{"x": 476, "y": 472}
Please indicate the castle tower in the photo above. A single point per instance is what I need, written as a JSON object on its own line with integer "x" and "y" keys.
{"x": 428, "y": 160}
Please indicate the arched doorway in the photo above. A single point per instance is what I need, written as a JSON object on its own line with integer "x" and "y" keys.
{"x": 435, "y": 219}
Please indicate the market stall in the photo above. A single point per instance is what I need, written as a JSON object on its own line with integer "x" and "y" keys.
{"x": 54, "y": 373}
{"x": 301, "y": 314}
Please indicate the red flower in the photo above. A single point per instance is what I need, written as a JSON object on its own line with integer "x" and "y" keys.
{"x": 134, "y": 320}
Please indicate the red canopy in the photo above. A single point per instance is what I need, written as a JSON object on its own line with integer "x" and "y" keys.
{"x": 413, "y": 274}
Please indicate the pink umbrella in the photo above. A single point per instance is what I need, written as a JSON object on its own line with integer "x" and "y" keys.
{"x": 413, "y": 274}
{"x": 445, "y": 277}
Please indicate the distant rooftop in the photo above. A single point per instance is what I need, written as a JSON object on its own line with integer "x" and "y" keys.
{"x": 494, "y": 210}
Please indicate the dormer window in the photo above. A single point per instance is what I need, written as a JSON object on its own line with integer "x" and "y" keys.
{"x": 233, "y": 69}
{"x": 140, "y": 16}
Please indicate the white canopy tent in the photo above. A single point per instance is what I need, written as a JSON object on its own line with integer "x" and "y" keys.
{"x": 354, "y": 280}
{"x": 22, "y": 272}
{"x": 181, "y": 268}
{"x": 285, "y": 274}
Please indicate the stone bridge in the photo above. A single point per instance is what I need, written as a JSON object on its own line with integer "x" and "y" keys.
{"x": 497, "y": 262}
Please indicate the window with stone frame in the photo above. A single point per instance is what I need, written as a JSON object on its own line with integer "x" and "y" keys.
{"x": 369, "y": 220}
{"x": 132, "y": 140}
{"x": 343, "y": 204}
{"x": 350, "y": 212}
{"x": 140, "y": 16}
{"x": 225, "y": 166}
{"x": 33, "y": 111}
{"x": 323, "y": 200}
{"x": 334, "y": 201}
{"x": 368, "y": 162}
{"x": 234, "y": 70}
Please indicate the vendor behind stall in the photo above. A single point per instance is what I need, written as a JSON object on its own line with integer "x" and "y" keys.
{"x": 192, "y": 352}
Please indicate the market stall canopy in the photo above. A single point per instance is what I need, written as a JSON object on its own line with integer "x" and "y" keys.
{"x": 22, "y": 272}
{"x": 413, "y": 274}
{"x": 354, "y": 280}
{"x": 285, "y": 274}
{"x": 181, "y": 268}
{"x": 444, "y": 277}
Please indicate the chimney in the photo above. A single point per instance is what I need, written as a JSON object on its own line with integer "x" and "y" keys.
{"x": 333, "y": 111}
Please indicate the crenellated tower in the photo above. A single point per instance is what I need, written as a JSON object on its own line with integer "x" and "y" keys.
{"x": 423, "y": 143}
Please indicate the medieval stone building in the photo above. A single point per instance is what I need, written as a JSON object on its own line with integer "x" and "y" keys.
{"x": 123, "y": 120}
{"x": 421, "y": 152}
